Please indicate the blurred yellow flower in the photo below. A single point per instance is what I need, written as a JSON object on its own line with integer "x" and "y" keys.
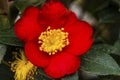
{"x": 24, "y": 69}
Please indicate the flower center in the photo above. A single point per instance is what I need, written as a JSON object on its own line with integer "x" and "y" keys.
{"x": 53, "y": 41}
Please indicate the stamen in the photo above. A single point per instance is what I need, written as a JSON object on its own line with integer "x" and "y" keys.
{"x": 53, "y": 40}
{"x": 24, "y": 70}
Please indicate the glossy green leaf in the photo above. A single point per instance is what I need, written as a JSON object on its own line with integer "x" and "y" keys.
{"x": 22, "y": 4}
{"x": 72, "y": 77}
{"x": 98, "y": 61}
{"x": 101, "y": 48}
{"x": 8, "y": 37}
{"x": 109, "y": 15}
{"x": 109, "y": 77}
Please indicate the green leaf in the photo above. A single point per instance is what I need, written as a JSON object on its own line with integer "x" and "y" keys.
{"x": 109, "y": 77}
{"x": 98, "y": 61}
{"x": 109, "y": 14}
{"x": 72, "y": 77}
{"x": 101, "y": 48}
{"x": 4, "y": 22}
{"x": 22, "y": 4}
{"x": 8, "y": 37}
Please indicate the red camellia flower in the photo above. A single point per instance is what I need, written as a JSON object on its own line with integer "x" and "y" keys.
{"x": 54, "y": 38}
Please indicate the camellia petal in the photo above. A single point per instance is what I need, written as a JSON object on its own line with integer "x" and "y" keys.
{"x": 72, "y": 18}
{"x": 62, "y": 64}
{"x": 81, "y": 48}
{"x": 74, "y": 65}
{"x": 53, "y": 9}
{"x": 52, "y": 13}
{"x": 80, "y": 28}
{"x": 80, "y": 37}
{"x": 34, "y": 55}
{"x": 27, "y": 28}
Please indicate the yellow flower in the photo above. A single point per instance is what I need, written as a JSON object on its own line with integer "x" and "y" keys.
{"x": 24, "y": 69}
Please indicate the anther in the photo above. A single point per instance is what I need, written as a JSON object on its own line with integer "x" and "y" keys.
{"x": 53, "y": 40}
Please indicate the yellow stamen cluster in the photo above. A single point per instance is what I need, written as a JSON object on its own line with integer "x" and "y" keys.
{"x": 24, "y": 70}
{"x": 53, "y": 40}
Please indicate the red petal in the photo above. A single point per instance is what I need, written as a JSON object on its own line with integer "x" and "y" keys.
{"x": 34, "y": 55}
{"x": 62, "y": 64}
{"x": 27, "y": 28}
{"x": 72, "y": 18}
{"x": 74, "y": 64}
{"x": 53, "y": 9}
{"x": 53, "y": 14}
{"x": 80, "y": 37}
